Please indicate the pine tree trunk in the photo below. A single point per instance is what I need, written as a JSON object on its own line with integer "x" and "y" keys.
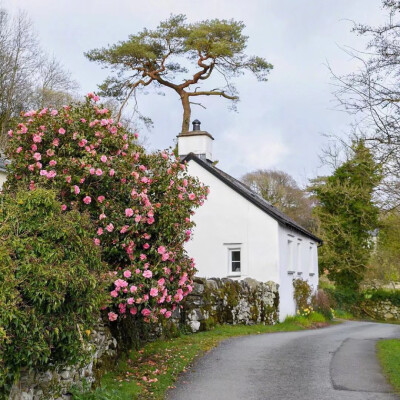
{"x": 186, "y": 112}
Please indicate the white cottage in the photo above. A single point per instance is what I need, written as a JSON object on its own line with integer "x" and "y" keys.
{"x": 238, "y": 234}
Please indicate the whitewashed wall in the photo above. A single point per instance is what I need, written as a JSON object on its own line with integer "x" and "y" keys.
{"x": 226, "y": 220}
{"x": 3, "y": 176}
{"x": 297, "y": 260}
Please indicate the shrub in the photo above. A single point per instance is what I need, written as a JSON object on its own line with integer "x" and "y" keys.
{"x": 141, "y": 204}
{"x": 302, "y": 295}
{"x": 322, "y": 303}
{"x": 50, "y": 283}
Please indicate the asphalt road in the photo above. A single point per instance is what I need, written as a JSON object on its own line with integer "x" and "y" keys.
{"x": 338, "y": 362}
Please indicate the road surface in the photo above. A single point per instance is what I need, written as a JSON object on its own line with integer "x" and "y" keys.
{"x": 334, "y": 363}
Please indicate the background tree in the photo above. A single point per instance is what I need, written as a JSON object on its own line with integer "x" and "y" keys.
{"x": 385, "y": 261}
{"x": 347, "y": 215}
{"x": 180, "y": 56}
{"x": 282, "y": 191}
{"x": 28, "y": 77}
{"x": 372, "y": 94}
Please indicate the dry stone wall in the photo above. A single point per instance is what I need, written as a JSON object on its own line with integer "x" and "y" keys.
{"x": 383, "y": 310}
{"x": 56, "y": 383}
{"x": 226, "y": 301}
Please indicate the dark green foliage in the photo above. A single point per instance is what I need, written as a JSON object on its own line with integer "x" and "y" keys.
{"x": 347, "y": 215}
{"x": 50, "y": 283}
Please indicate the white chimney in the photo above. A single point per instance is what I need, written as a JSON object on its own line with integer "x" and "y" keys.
{"x": 197, "y": 141}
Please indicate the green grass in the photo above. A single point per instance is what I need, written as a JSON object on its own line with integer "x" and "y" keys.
{"x": 389, "y": 356}
{"x": 151, "y": 371}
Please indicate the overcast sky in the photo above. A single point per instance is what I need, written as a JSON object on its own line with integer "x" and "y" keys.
{"x": 279, "y": 124}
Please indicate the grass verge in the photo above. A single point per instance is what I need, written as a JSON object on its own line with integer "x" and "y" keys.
{"x": 389, "y": 356}
{"x": 151, "y": 371}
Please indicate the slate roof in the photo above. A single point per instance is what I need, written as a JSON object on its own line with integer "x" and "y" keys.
{"x": 252, "y": 196}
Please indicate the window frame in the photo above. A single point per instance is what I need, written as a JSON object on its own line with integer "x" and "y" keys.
{"x": 230, "y": 261}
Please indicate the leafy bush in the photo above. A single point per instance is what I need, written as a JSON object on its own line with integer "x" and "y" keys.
{"x": 50, "y": 283}
{"x": 322, "y": 303}
{"x": 302, "y": 295}
{"x": 383, "y": 295}
{"x": 141, "y": 204}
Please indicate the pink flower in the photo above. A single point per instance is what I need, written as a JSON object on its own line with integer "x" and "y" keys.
{"x": 138, "y": 218}
{"x": 51, "y": 174}
{"x": 102, "y": 216}
{"x": 63, "y": 207}
{"x": 161, "y": 282}
{"x": 92, "y": 171}
{"x": 161, "y": 250}
{"x": 192, "y": 196}
{"x": 37, "y": 138}
{"x": 146, "y": 246}
{"x": 133, "y": 289}
{"x": 110, "y": 227}
{"x": 150, "y": 220}
{"x": 96, "y": 241}
{"x": 130, "y": 300}
{"x": 112, "y": 316}
{"x": 103, "y": 159}
{"x": 19, "y": 149}
{"x": 100, "y": 199}
{"x": 127, "y": 273}
{"x": 147, "y": 274}
{"x": 53, "y": 163}
{"x": 124, "y": 229}
{"x": 100, "y": 231}
{"x": 168, "y": 314}
{"x": 129, "y": 212}
{"x": 37, "y": 156}
{"x": 87, "y": 199}
{"x": 53, "y": 112}
{"x": 114, "y": 293}
{"x": 165, "y": 257}
{"x": 76, "y": 189}
{"x": 153, "y": 292}
{"x": 34, "y": 147}
{"x": 143, "y": 257}
{"x": 99, "y": 172}
{"x": 61, "y": 131}
{"x": 112, "y": 172}
{"x": 133, "y": 311}
{"x": 68, "y": 179}
{"x": 56, "y": 142}
{"x": 121, "y": 283}
{"x": 146, "y": 312}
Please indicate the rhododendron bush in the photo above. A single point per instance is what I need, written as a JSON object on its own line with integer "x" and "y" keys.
{"x": 140, "y": 203}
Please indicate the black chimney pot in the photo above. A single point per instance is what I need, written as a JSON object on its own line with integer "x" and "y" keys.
{"x": 196, "y": 125}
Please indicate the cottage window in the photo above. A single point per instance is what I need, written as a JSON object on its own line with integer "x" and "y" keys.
{"x": 298, "y": 257}
{"x": 312, "y": 259}
{"x": 290, "y": 261}
{"x": 235, "y": 261}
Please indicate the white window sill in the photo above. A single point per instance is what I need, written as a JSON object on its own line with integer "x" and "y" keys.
{"x": 234, "y": 275}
